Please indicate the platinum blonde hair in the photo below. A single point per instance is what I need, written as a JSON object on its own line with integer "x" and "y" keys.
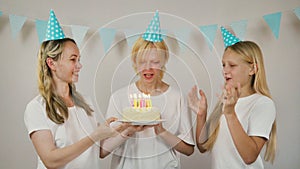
{"x": 141, "y": 46}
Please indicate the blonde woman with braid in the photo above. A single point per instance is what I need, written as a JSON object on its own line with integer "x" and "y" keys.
{"x": 60, "y": 122}
{"x": 243, "y": 121}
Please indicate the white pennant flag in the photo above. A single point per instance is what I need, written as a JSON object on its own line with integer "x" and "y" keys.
{"x": 78, "y": 33}
{"x": 131, "y": 36}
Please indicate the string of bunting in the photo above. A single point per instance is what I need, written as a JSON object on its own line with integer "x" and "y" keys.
{"x": 107, "y": 35}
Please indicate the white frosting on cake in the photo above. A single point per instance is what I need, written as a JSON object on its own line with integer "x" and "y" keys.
{"x": 141, "y": 114}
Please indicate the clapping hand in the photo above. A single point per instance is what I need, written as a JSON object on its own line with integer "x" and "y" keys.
{"x": 230, "y": 96}
{"x": 197, "y": 105}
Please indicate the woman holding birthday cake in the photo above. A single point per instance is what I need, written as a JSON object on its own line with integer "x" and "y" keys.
{"x": 61, "y": 122}
{"x": 157, "y": 145}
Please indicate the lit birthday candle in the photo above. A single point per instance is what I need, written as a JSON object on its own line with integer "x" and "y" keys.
{"x": 144, "y": 100}
{"x": 148, "y": 101}
{"x": 140, "y": 101}
{"x": 135, "y": 102}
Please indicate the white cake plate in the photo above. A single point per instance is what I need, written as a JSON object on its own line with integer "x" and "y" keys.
{"x": 153, "y": 122}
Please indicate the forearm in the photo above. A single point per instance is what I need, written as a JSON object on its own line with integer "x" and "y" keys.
{"x": 246, "y": 146}
{"x": 176, "y": 143}
{"x": 61, "y": 156}
{"x": 110, "y": 144}
{"x": 201, "y": 132}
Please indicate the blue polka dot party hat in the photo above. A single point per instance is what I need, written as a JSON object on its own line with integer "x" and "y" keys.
{"x": 228, "y": 38}
{"x": 153, "y": 32}
{"x": 54, "y": 31}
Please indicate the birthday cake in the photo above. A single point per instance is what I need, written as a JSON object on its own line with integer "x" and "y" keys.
{"x": 141, "y": 109}
{"x": 132, "y": 114}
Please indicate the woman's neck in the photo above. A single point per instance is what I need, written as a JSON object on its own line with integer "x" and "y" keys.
{"x": 63, "y": 91}
{"x": 155, "y": 88}
{"x": 247, "y": 91}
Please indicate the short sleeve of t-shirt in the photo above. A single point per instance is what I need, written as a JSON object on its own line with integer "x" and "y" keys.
{"x": 113, "y": 109}
{"x": 185, "y": 131}
{"x": 262, "y": 118}
{"x": 35, "y": 116}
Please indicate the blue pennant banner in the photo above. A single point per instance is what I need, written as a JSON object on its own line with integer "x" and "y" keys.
{"x": 79, "y": 33}
{"x": 107, "y": 36}
{"x": 297, "y": 12}
{"x": 239, "y": 27}
{"x": 41, "y": 27}
{"x": 273, "y": 20}
{"x": 16, "y": 23}
{"x": 209, "y": 32}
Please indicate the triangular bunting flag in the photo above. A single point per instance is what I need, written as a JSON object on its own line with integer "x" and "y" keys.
{"x": 209, "y": 32}
{"x": 107, "y": 36}
{"x": 297, "y": 12}
{"x": 239, "y": 27}
{"x": 273, "y": 20}
{"x": 78, "y": 33}
{"x": 182, "y": 36}
{"x": 131, "y": 36}
{"x": 41, "y": 27}
{"x": 16, "y": 23}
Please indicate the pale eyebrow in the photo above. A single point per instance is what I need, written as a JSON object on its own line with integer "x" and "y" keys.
{"x": 74, "y": 55}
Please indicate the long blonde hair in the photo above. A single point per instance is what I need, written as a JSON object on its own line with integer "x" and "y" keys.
{"x": 141, "y": 46}
{"x": 54, "y": 103}
{"x": 251, "y": 53}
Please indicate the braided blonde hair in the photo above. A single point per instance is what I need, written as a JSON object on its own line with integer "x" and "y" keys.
{"x": 54, "y": 103}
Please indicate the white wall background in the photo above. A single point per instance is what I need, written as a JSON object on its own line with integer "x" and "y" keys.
{"x": 195, "y": 64}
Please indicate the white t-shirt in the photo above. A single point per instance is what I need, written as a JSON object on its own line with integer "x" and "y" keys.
{"x": 77, "y": 126}
{"x": 256, "y": 114}
{"x": 145, "y": 149}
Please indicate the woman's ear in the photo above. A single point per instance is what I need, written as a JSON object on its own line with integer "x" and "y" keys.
{"x": 134, "y": 65}
{"x": 253, "y": 69}
{"x": 51, "y": 63}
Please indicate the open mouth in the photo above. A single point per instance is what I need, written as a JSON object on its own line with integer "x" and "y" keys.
{"x": 76, "y": 74}
{"x": 148, "y": 75}
{"x": 227, "y": 79}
